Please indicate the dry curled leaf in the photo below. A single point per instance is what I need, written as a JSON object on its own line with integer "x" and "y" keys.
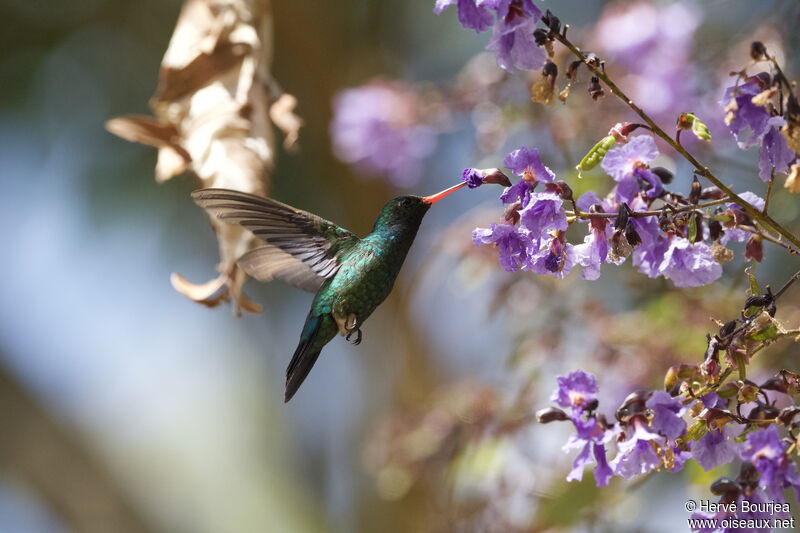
{"x": 214, "y": 112}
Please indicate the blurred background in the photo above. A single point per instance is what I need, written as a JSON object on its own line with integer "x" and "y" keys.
{"x": 126, "y": 407}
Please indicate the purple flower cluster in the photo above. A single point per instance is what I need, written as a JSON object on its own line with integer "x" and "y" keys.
{"x": 376, "y": 129}
{"x": 646, "y": 434}
{"x": 750, "y": 120}
{"x": 532, "y": 235}
{"x": 651, "y": 433}
{"x": 512, "y": 23}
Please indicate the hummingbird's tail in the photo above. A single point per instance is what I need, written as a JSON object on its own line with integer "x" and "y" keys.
{"x": 317, "y": 332}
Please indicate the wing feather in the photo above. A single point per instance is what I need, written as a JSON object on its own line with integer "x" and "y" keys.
{"x": 302, "y": 248}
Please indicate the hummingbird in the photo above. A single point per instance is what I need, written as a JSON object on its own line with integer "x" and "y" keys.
{"x": 349, "y": 276}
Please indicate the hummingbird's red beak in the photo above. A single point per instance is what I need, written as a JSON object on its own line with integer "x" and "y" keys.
{"x": 432, "y": 199}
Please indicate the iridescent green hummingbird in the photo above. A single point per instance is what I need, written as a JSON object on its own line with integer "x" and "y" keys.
{"x": 350, "y": 276}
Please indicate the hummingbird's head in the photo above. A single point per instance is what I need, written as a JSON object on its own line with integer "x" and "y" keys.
{"x": 409, "y": 210}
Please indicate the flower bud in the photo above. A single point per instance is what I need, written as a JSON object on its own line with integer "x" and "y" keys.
{"x": 540, "y": 36}
{"x": 758, "y": 51}
{"x": 712, "y": 193}
{"x": 697, "y": 190}
{"x": 714, "y": 229}
{"x": 663, "y": 174}
{"x": 552, "y": 21}
{"x": 572, "y": 69}
{"x": 754, "y": 249}
{"x": 551, "y": 414}
{"x": 494, "y": 176}
{"x": 550, "y": 70}
{"x": 564, "y": 191}
{"x": 728, "y": 328}
{"x": 787, "y": 414}
{"x": 595, "y": 89}
{"x": 632, "y": 235}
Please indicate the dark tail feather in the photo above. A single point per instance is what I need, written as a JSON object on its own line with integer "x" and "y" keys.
{"x": 303, "y": 359}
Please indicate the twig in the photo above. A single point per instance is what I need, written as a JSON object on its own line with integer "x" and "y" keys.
{"x": 769, "y": 189}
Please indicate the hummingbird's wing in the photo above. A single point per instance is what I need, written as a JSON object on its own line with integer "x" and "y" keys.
{"x": 303, "y": 249}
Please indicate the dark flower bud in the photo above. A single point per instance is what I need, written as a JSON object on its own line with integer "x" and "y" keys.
{"x": 697, "y": 189}
{"x": 622, "y": 216}
{"x": 591, "y": 406}
{"x": 663, "y": 174}
{"x": 551, "y": 414}
{"x": 595, "y": 89}
{"x": 748, "y": 474}
{"x": 792, "y": 109}
{"x": 631, "y": 234}
{"x": 772, "y": 308}
{"x": 540, "y": 36}
{"x": 758, "y": 51}
{"x": 494, "y": 176}
{"x": 724, "y": 486}
{"x": 565, "y": 191}
{"x": 572, "y": 69}
{"x": 759, "y": 300}
{"x": 634, "y": 402}
{"x": 763, "y": 412}
{"x": 712, "y": 193}
{"x": 787, "y": 414}
{"x": 511, "y": 213}
{"x": 698, "y": 221}
{"x": 714, "y": 229}
{"x": 777, "y": 384}
{"x": 550, "y": 70}
{"x": 552, "y": 21}
{"x": 754, "y": 249}
{"x": 728, "y": 328}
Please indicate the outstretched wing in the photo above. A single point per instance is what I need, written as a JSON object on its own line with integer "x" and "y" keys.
{"x": 302, "y": 249}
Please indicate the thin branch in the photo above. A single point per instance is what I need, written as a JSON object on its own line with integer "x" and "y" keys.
{"x": 704, "y": 171}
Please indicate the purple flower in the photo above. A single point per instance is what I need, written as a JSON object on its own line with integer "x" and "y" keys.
{"x": 765, "y": 450}
{"x": 472, "y": 177}
{"x": 519, "y": 192}
{"x": 637, "y": 455}
{"x": 774, "y": 151}
{"x": 735, "y": 234}
{"x": 623, "y": 160}
{"x": 649, "y": 255}
{"x": 715, "y": 448}
{"x": 743, "y": 113}
{"x": 655, "y": 186}
{"x": 470, "y": 15}
{"x": 556, "y": 258}
{"x": 667, "y": 415}
{"x": 543, "y": 213}
{"x": 575, "y": 390}
{"x": 376, "y": 129}
{"x": 591, "y": 437}
{"x": 513, "y": 244}
{"x": 528, "y": 164}
{"x": 594, "y": 250}
{"x": 516, "y": 47}
{"x": 689, "y": 265}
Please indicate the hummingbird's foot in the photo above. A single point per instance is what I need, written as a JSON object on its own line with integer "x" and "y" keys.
{"x": 357, "y": 340}
{"x": 352, "y": 325}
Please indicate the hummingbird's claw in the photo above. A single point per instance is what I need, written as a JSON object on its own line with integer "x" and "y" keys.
{"x": 353, "y": 325}
{"x": 357, "y": 340}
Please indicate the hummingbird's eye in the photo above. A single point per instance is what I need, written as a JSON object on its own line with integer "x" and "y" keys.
{"x": 405, "y": 202}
